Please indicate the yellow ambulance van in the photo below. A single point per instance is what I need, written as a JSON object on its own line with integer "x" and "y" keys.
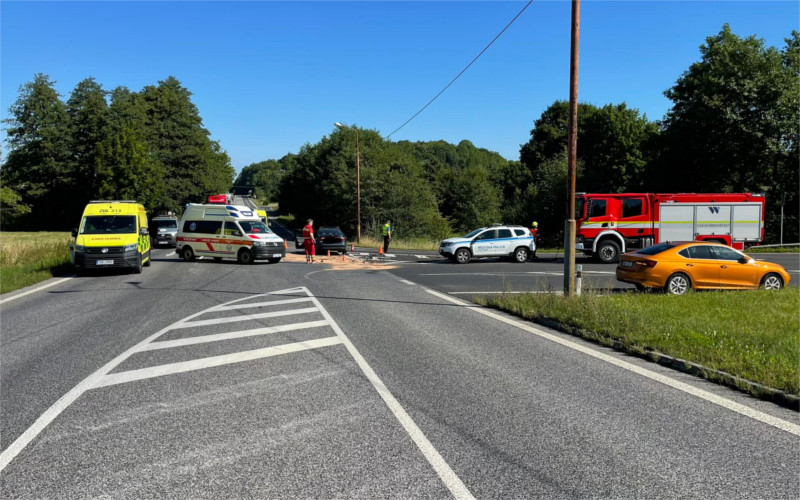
{"x": 227, "y": 231}
{"x": 111, "y": 234}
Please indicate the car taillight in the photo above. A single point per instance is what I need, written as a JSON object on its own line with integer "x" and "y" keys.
{"x": 647, "y": 263}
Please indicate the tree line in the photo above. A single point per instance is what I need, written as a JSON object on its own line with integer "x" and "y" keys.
{"x": 149, "y": 146}
{"x": 733, "y": 126}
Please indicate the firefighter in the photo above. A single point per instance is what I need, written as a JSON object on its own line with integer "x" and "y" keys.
{"x": 535, "y": 233}
{"x": 386, "y": 231}
{"x": 309, "y": 242}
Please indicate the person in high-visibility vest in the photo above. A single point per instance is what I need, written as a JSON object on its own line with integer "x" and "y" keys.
{"x": 386, "y": 231}
{"x": 309, "y": 242}
{"x": 535, "y": 233}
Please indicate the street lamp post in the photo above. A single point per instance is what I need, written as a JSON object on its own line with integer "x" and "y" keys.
{"x": 358, "y": 182}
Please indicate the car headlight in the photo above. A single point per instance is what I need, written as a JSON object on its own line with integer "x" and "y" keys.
{"x": 130, "y": 248}
{"x": 259, "y": 243}
{"x": 447, "y": 244}
{"x": 80, "y": 248}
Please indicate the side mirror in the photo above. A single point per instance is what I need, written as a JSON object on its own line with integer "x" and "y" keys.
{"x": 236, "y": 233}
{"x": 144, "y": 232}
{"x": 74, "y": 232}
{"x": 744, "y": 260}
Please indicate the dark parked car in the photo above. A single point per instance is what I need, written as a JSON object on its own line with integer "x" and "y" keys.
{"x": 330, "y": 238}
{"x": 164, "y": 230}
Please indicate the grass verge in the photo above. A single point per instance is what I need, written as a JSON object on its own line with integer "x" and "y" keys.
{"x": 773, "y": 250}
{"x": 26, "y": 258}
{"x": 751, "y": 334}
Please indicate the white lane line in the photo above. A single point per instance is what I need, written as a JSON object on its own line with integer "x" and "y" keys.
{"x": 557, "y": 292}
{"x": 446, "y": 474}
{"x": 166, "y": 344}
{"x": 261, "y": 304}
{"x": 225, "y": 359}
{"x": 244, "y": 317}
{"x": 421, "y": 256}
{"x": 518, "y": 273}
{"x": 15, "y": 297}
{"x": 407, "y": 282}
{"x": 675, "y": 384}
{"x": 171, "y": 254}
{"x": 88, "y": 383}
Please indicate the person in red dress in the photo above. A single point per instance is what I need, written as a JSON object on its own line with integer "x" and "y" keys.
{"x": 309, "y": 242}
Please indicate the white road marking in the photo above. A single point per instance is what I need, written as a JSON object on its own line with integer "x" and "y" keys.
{"x": 261, "y": 304}
{"x": 483, "y": 292}
{"x": 421, "y": 256}
{"x": 171, "y": 254}
{"x": 15, "y": 297}
{"x": 681, "y": 386}
{"x": 166, "y": 344}
{"x": 225, "y": 359}
{"x": 407, "y": 282}
{"x": 518, "y": 273}
{"x": 446, "y": 474}
{"x": 245, "y": 317}
{"x": 88, "y": 383}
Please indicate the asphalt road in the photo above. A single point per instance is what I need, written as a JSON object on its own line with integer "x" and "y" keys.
{"x": 215, "y": 380}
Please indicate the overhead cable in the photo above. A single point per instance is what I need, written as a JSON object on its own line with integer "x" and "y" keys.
{"x": 463, "y": 70}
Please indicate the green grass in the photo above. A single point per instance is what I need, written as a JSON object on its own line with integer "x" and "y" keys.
{"x": 773, "y": 250}
{"x": 26, "y": 258}
{"x": 401, "y": 244}
{"x": 752, "y": 334}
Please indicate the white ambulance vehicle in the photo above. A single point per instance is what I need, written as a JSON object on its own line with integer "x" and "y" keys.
{"x": 227, "y": 231}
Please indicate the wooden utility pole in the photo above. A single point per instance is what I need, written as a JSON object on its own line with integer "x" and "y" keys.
{"x": 569, "y": 225}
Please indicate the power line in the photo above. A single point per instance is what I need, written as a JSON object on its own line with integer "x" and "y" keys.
{"x": 463, "y": 70}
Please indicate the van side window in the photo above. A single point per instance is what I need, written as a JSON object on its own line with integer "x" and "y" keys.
{"x": 519, "y": 232}
{"x": 632, "y": 207}
{"x": 504, "y": 233}
{"x": 597, "y": 208}
{"x": 202, "y": 226}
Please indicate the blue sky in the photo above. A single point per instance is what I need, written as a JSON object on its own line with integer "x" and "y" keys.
{"x": 269, "y": 77}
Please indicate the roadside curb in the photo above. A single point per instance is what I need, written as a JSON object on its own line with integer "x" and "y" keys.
{"x": 755, "y": 389}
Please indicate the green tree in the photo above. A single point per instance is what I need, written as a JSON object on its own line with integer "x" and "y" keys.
{"x": 88, "y": 112}
{"x": 733, "y": 126}
{"x": 264, "y": 177}
{"x": 126, "y": 170}
{"x": 195, "y": 165}
{"x": 39, "y": 162}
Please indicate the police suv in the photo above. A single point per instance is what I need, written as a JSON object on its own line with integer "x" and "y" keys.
{"x": 495, "y": 241}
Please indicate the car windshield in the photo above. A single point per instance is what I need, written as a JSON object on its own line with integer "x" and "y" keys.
{"x": 473, "y": 233}
{"x": 330, "y": 232}
{"x": 656, "y": 248}
{"x": 254, "y": 227}
{"x": 109, "y": 224}
{"x": 170, "y": 223}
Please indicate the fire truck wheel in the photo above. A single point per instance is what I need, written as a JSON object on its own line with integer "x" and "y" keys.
{"x": 608, "y": 252}
{"x": 771, "y": 282}
{"x": 187, "y": 253}
{"x": 678, "y": 284}
{"x": 245, "y": 256}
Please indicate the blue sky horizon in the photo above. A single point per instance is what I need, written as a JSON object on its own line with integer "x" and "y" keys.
{"x": 269, "y": 77}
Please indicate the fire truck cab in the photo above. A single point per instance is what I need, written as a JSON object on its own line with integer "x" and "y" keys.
{"x": 611, "y": 224}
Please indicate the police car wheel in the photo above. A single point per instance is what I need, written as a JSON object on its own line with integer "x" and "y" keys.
{"x": 521, "y": 255}
{"x": 462, "y": 256}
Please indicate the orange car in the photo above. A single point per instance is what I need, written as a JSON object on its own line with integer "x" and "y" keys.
{"x": 679, "y": 266}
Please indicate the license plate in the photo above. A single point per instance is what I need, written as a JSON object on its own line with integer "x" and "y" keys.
{"x": 277, "y": 255}
{"x": 625, "y": 263}
{"x": 105, "y": 262}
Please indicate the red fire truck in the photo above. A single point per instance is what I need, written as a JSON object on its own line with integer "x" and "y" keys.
{"x": 611, "y": 224}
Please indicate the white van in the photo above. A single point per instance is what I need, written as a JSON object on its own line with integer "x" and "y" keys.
{"x": 227, "y": 231}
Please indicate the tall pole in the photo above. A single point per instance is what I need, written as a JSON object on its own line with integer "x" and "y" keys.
{"x": 569, "y": 225}
{"x": 783, "y": 200}
{"x": 358, "y": 191}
